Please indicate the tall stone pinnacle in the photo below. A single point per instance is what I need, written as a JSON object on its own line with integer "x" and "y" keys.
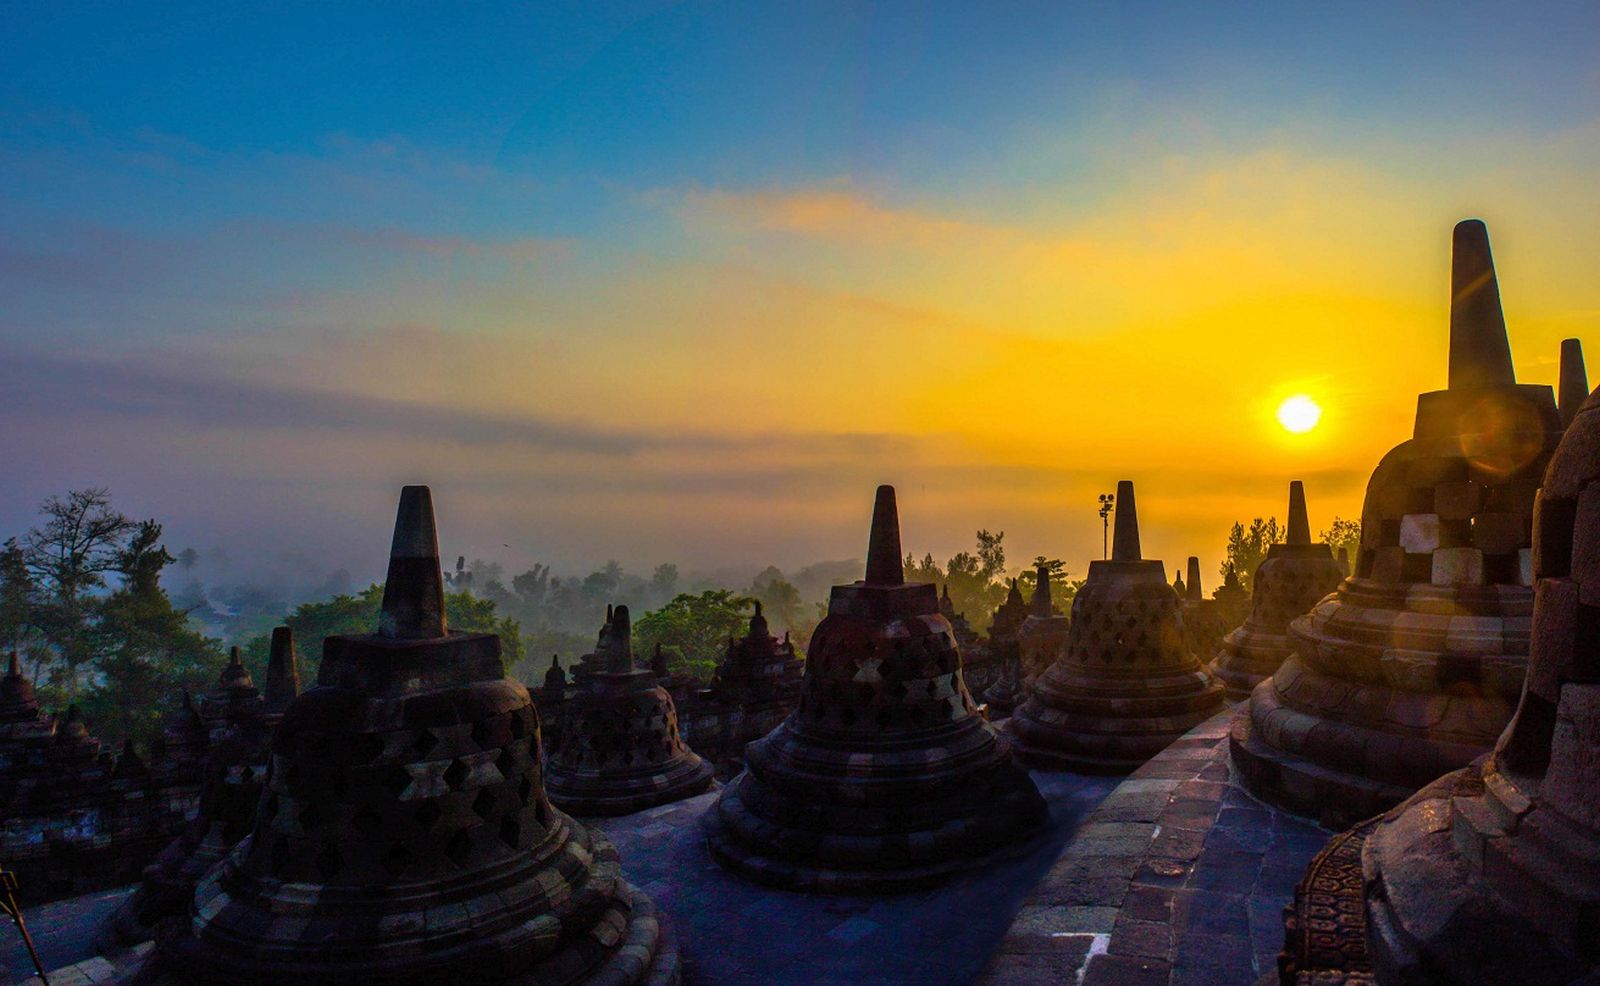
{"x": 1125, "y": 536}
{"x": 1191, "y": 584}
{"x": 1574, "y": 386}
{"x": 283, "y": 671}
{"x": 13, "y": 668}
{"x": 619, "y": 659}
{"x": 1480, "y": 353}
{"x": 1299, "y": 526}
{"x": 883, "y": 549}
{"x": 413, "y": 593}
{"x": 1041, "y": 605}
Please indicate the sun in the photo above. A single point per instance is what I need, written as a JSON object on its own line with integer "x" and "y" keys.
{"x": 1299, "y": 414}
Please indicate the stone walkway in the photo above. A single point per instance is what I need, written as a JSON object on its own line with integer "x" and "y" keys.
{"x": 733, "y": 933}
{"x": 1178, "y": 878}
{"x": 62, "y": 932}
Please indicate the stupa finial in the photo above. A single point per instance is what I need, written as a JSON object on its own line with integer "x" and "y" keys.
{"x": 1299, "y": 531}
{"x": 413, "y": 593}
{"x": 1480, "y": 353}
{"x": 619, "y": 658}
{"x": 883, "y": 549}
{"x": 283, "y": 670}
{"x": 1573, "y": 389}
{"x": 1125, "y": 537}
{"x": 1191, "y": 584}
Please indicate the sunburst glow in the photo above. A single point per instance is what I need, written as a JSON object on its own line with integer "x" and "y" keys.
{"x": 1299, "y": 414}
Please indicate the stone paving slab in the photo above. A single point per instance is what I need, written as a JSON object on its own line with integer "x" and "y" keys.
{"x": 1178, "y": 878}
{"x": 63, "y": 932}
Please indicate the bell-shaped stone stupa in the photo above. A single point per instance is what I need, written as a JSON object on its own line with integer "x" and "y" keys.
{"x": 1414, "y": 666}
{"x": 1294, "y": 576}
{"x": 1126, "y": 687}
{"x": 885, "y": 778}
{"x": 620, "y": 750}
{"x": 404, "y": 835}
{"x": 1490, "y": 874}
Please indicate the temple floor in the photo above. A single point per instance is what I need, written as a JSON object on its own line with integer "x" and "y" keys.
{"x": 1177, "y": 877}
{"x": 1172, "y": 875}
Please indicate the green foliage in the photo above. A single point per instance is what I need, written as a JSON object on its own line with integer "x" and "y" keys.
{"x": 145, "y": 649}
{"x": 693, "y": 630}
{"x": 1247, "y": 548}
{"x": 974, "y": 579}
{"x": 1344, "y": 534}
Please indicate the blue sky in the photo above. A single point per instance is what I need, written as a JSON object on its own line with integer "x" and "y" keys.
{"x": 632, "y": 270}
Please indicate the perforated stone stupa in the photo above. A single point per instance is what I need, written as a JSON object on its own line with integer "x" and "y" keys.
{"x": 235, "y": 770}
{"x": 1292, "y": 578}
{"x": 1127, "y": 686}
{"x": 620, "y": 750}
{"x": 1415, "y": 665}
{"x": 1490, "y": 874}
{"x": 404, "y": 835}
{"x": 1042, "y": 638}
{"x": 885, "y": 778}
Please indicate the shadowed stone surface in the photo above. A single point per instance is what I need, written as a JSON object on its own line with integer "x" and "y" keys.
{"x": 620, "y": 750}
{"x": 885, "y": 778}
{"x": 1491, "y": 874}
{"x": 1414, "y": 666}
{"x": 1126, "y": 686}
{"x": 1294, "y": 576}
{"x": 1178, "y": 877}
{"x": 404, "y": 834}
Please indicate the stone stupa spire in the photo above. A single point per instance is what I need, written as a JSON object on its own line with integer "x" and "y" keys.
{"x": 1480, "y": 353}
{"x": 1125, "y": 535}
{"x": 1192, "y": 590}
{"x": 1041, "y": 604}
{"x": 283, "y": 671}
{"x": 883, "y": 546}
{"x": 1299, "y": 527}
{"x": 1573, "y": 389}
{"x": 413, "y": 593}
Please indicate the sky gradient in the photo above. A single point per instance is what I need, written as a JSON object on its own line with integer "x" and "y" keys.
{"x": 685, "y": 281}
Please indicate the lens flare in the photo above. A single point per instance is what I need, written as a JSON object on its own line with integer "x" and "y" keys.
{"x": 1299, "y": 414}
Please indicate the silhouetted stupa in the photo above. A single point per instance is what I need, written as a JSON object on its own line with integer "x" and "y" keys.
{"x": 234, "y": 772}
{"x": 620, "y": 750}
{"x": 885, "y": 778}
{"x": 1294, "y": 576}
{"x": 1413, "y": 667}
{"x": 1490, "y": 874}
{"x": 1127, "y": 686}
{"x": 404, "y": 835}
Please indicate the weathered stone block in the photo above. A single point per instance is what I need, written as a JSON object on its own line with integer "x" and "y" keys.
{"x": 1419, "y": 533}
{"x": 1456, "y": 501}
{"x": 1388, "y": 564}
{"x": 1458, "y": 566}
{"x": 1500, "y": 534}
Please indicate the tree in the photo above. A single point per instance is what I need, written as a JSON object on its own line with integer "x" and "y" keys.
{"x": 693, "y": 629}
{"x": 16, "y": 596}
{"x": 665, "y": 579}
{"x": 991, "y": 554}
{"x": 145, "y": 649}
{"x": 780, "y": 599}
{"x": 68, "y": 557}
{"x": 1248, "y": 548}
{"x": 1344, "y": 534}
